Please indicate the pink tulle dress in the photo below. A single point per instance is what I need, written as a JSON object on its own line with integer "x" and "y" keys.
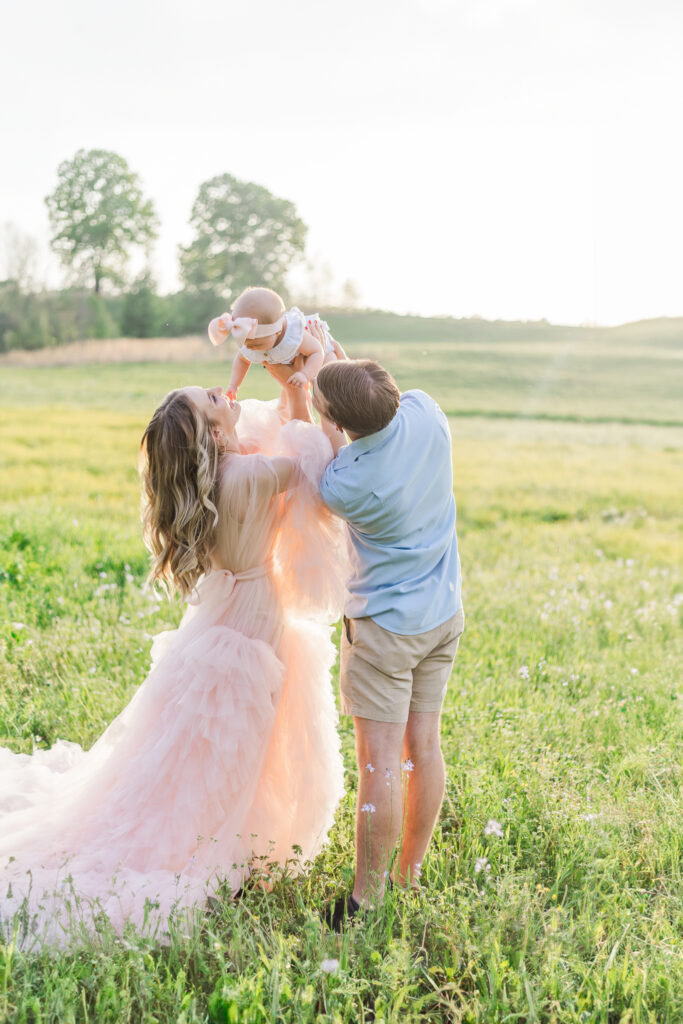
{"x": 228, "y": 750}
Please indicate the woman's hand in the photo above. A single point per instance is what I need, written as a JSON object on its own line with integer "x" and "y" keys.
{"x": 316, "y": 329}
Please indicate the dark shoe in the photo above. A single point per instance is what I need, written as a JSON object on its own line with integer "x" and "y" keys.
{"x": 339, "y": 913}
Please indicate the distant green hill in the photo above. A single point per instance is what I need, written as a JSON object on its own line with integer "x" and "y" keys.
{"x": 629, "y": 374}
{"x": 375, "y": 325}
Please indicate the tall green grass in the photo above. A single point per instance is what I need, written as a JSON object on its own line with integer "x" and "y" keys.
{"x": 562, "y": 721}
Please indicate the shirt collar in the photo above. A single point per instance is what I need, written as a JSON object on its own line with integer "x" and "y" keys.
{"x": 366, "y": 444}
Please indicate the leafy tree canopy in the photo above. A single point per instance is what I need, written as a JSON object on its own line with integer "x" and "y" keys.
{"x": 244, "y": 235}
{"x": 98, "y": 214}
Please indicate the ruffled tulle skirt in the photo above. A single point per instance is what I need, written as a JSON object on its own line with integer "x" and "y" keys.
{"x": 227, "y": 752}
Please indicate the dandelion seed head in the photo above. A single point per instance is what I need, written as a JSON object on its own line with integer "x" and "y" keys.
{"x": 329, "y": 966}
{"x": 493, "y": 828}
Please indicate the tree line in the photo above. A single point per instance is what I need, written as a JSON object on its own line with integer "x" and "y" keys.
{"x": 100, "y": 219}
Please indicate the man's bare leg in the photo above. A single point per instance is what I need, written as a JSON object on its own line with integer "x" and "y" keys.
{"x": 378, "y": 749}
{"x": 424, "y": 791}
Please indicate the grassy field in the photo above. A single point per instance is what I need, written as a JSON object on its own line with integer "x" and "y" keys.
{"x": 562, "y": 722}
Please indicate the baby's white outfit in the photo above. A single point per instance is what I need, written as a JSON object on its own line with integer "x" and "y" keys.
{"x": 286, "y": 350}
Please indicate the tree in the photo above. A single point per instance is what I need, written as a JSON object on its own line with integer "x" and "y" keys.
{"x": 244, "y": 235}
{"x": 19, "y": 258}
{"x": 98, "y": 214}
{"x": 140, "y": 317}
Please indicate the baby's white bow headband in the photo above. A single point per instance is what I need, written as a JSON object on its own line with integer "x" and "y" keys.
{"x": 241, "y": 328}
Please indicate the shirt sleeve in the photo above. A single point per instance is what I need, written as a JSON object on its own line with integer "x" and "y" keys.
{"x": 432, "y": 408}
{"x": 332, "y": 493}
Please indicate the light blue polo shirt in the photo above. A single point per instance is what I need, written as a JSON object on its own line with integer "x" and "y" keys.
{"x": 395, "y": 490}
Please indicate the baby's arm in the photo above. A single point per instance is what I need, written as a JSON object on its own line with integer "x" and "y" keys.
{"x": 240, "y": 365}
{"x": 312, "y": 351}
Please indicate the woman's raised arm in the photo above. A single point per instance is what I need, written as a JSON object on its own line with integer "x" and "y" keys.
{"x": 285, "y": 469}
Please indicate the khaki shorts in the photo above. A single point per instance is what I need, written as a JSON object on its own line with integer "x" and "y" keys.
{"x": 383, "y": 676}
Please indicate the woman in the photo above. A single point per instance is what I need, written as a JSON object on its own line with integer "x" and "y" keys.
{"x": 228, "y": 751}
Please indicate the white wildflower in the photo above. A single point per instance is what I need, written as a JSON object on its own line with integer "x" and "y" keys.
{"x": 329, "y": 966}
{"x": 18, "y": 625}
{"x": 481, "y": 864}
{"x": 493, "y": 828}
{"x": 369, "y": 768}
{"x": 589, "y": 817}
{"x": 608, "y": 604}
{"x": 407, "y": 766}
{"x": 368, "y": 809}
{"x": 524, "y": 672}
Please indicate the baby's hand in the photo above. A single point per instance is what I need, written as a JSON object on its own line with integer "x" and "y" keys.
{"x": 298, "y": 380}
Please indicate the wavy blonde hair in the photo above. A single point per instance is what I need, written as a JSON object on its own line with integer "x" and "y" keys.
{"x": 179, "y": 460}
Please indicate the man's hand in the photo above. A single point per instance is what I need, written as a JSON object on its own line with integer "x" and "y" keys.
{"x": 298, "y": 380}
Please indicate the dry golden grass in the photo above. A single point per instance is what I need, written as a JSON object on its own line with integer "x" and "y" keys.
{"x": 194, "y": 348}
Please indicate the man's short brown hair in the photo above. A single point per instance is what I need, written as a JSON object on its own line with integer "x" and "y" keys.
{"x": 361, "y": 395}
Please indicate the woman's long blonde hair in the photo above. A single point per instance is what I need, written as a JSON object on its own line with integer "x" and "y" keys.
{"x": 179, "y": 459}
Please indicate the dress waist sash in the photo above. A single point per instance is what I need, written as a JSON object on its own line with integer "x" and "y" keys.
{"x": 224, "y": 580}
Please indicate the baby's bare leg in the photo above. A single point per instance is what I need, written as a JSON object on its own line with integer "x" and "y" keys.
{"x": 296, "y": 399}
{"x": 282, "y": 371}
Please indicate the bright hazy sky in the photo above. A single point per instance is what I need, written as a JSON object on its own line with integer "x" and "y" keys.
{"x": 509, "y": 159}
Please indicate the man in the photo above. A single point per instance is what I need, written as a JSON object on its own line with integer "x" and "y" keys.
{"x": 393, "y": 484}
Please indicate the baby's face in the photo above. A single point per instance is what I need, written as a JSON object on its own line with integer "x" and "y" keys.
{"x": 261, "y": 344}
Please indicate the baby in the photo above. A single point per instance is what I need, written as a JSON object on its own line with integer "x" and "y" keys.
{"x": 288, "y": 344}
